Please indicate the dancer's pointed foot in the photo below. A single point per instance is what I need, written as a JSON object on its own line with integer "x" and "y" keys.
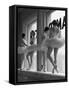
{"x": 41, "y": 67}
{"x": 55, "y": 68}
{"x": 29, "y": 67}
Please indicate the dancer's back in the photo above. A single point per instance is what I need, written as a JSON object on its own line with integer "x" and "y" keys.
{"x": 53, "y": 32}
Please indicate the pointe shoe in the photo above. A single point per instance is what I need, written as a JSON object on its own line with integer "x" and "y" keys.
{"x": 41, "y": 67}
{"x": 29, "y": 67}
{"x": 55, "y": 68}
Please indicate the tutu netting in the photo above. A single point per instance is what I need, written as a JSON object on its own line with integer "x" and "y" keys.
{"x": 21, "y": 50}
{"x": 28, "y": 49}
{"x": 54, "y": 43}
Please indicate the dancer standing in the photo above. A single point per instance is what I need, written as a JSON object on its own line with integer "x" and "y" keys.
{"x": 54, "y": 33}
{"x": 32, "y": 40}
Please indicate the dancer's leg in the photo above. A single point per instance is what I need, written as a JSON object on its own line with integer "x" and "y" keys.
{"x": 55, "y": 58}
{"x": 31, "y": 56}
{"x": 43, "y": 53}
{"x": 27, "y": 57}
{"x": 55, "y": 55}
{"x": 50, "y": 58}
{"x": 22, "y": 61}
{"x": 46, "y": 59}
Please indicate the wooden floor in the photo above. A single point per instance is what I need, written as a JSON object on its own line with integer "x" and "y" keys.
{"x": 24, "y": 76}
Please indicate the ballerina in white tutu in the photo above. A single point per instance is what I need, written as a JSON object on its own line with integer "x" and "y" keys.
{"x": 56, "y": 41}
{"x": 23, "y": 46}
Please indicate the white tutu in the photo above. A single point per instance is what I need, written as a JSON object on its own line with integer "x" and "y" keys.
{"x": 54, "y": 43}
{"x": 21, "y": 49}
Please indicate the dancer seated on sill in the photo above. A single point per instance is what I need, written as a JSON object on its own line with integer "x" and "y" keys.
{"x": 23, "y": 45}
{"x": 52, "y": 42}
{"x": 24, "y": 42}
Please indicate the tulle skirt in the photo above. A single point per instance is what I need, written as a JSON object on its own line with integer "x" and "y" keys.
{"x": 54, "y": 43}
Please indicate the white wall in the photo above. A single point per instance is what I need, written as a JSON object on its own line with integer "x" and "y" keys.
{"x": 26, "y": 23}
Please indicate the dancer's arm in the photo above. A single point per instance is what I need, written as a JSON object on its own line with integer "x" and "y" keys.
{"x": 25, "y": 42}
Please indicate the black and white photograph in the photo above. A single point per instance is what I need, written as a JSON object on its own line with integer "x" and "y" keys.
{"x": 40, "y": 44}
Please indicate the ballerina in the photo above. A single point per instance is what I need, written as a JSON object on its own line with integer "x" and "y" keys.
{"x": 58, "y": 41}
{"x": 23, "y": 45}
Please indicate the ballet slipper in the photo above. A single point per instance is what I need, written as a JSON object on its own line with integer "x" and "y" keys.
{"x": 41, "y": 67}
{"x": 55, "y": 68}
